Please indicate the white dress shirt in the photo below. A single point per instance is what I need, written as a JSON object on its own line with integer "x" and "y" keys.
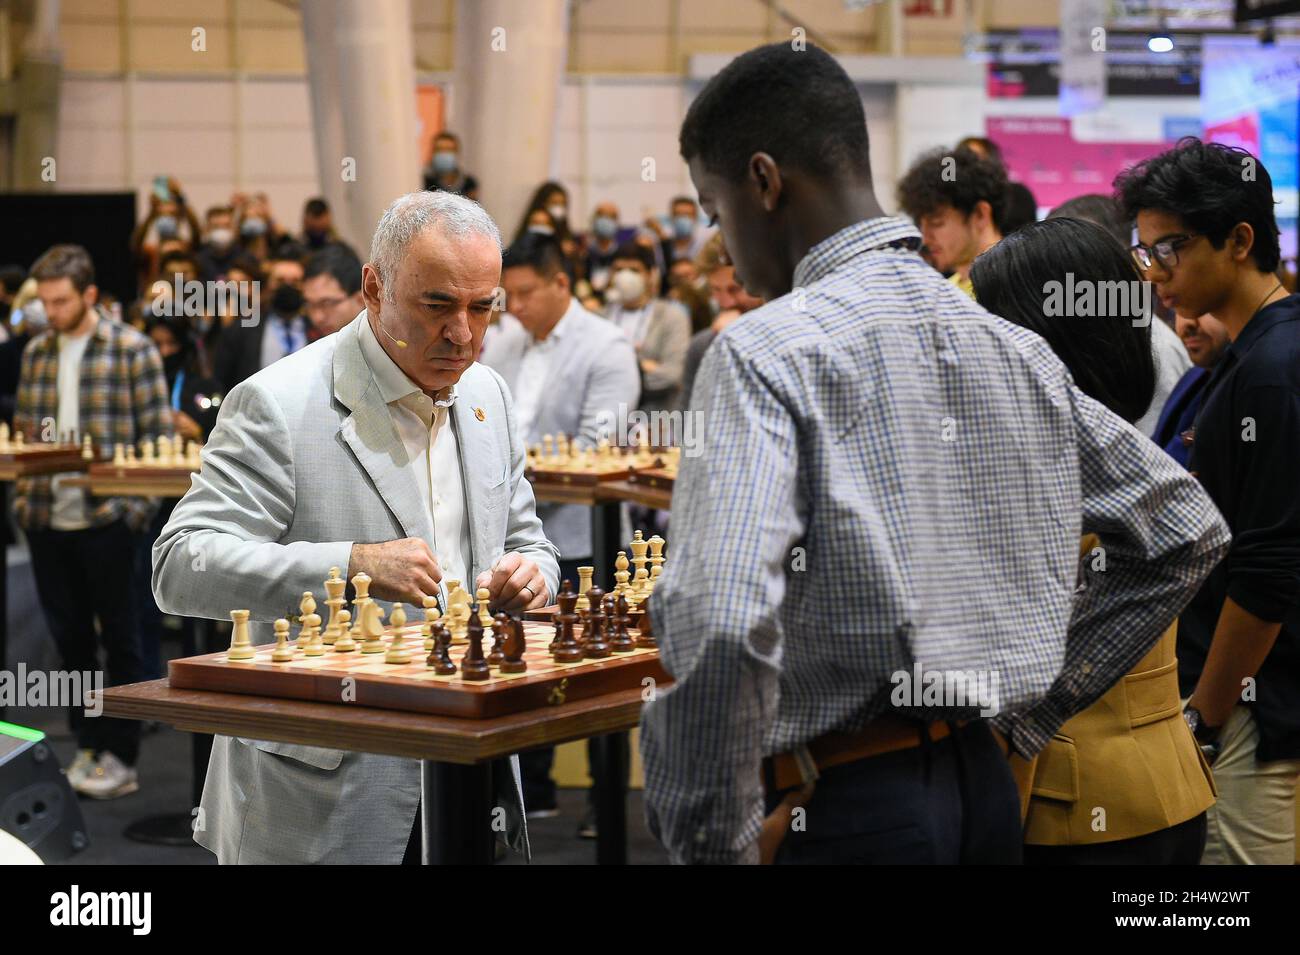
{"x": 535, "y": 371}
{"x": 68, "y": 508}
{"x": 432, "y": 456}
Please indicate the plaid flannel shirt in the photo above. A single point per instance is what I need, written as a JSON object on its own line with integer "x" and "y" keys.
{"x": 891, "y": 476}
{"x": 123, "y": 401}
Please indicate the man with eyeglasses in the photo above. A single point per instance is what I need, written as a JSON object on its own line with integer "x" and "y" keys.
{"x": 1208, "y": 240}
{"x": 331, "y": 289}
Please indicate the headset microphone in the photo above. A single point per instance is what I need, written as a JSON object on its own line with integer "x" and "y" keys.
{"x": 396, "y": 341}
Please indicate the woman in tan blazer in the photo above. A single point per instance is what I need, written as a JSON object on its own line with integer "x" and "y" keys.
{"x": 1124, "y": 781}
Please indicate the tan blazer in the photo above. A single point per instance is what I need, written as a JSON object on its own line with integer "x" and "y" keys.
{"x": 1130, "y": 753}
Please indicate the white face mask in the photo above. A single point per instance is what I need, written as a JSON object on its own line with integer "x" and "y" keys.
{"x": 558, "y": 211}
{"x": 629, "y": 284}
{"x": 221, "y": 237}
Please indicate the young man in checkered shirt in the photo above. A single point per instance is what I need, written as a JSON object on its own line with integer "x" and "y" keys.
{"x": 88, "y": 374}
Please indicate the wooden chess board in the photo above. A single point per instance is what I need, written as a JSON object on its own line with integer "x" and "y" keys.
{"x": 414, "y": 686}
{"x": 105, "y": 479}
{"x": 33, "y": 459}
{"x": 661, "y": 478}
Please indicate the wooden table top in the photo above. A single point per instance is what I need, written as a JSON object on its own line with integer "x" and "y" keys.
{"x": 162, "y": 485}
{"x": 368, "y": 730}
{"x": 656, "y": 497}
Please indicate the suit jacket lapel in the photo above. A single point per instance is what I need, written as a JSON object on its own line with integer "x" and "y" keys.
{"x": 370, "y": 433}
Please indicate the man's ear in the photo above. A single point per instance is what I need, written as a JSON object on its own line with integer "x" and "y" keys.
{"x": 91, "y": 295}
{"x": 372, "y": 289}
{"x": 1243, "y": 240}
{"x": 766, "y": 177}
{"x": 982, "y": 214}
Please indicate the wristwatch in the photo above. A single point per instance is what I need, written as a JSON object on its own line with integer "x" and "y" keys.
{"x": 1207, "y": 737}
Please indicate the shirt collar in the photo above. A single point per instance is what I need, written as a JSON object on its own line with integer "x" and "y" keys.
{"x": 865, "y": 236}
{"x": 393, "y": 383}
{"x": 561, "y": 327}
{"x": 1264, "y": 319}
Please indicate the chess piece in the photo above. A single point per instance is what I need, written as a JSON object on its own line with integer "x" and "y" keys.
{"x": 283, "y": 653}
{"x": 306, "y": 606}
{"x": 193, "y": 459}
{"x": 4, "y": 435}
{"x": 397, "y": 652}
{"x": 19, "y": 444}
{"x": 473, "y": 665}
{"x": 645, "y": 638}
{"x": 119, "y": 455}
{"x": 584, "y": 584}
{"x": 500, "y": 629}
{"x": 656, "y": 562}
{"x": 164, "y": 451}
{"x": 616, "y": 608}
{"x": 621, "y": 575}
{"x": 241, "y": 647}
{"x": 87, "y": 449}
{"x": 641, "y": 576}
{"x": 361, "y": 598}
{"x": 514, "y": 648}
{"x": 568, "y": 650}
{"x": 483, "y": 595}
{"x": 440, "y": 658}
{"x": 311, "y": 623}
{"x": 334, "y": 587}
{"x": 345, "y": 643}
{"x": 565, "y": 587}
{"x": 458, "y": 611}
{"x": 146, "y": 452}
{"x": 431, "y": 616}
{"x": 372, "y": 628}
{"x": 594, "y": 644}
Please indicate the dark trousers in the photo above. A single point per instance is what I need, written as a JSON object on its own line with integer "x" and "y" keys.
{"x": 81, "y": 577}
{"x": 535, "y": 765}
{"x": 148, "y": 614}
{"x": 1178, "y": 845}
{"x": 944, "y": 803}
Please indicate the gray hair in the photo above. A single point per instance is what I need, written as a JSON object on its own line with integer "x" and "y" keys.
{"x": 411, "y": 215}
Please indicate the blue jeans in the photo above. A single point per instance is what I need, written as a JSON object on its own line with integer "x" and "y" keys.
{"x": 944, "y": 803}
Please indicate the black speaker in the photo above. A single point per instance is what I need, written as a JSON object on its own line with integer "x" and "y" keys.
{"x": 37, "y": 806}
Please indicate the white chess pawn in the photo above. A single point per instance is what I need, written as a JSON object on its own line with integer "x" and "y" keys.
{"x": 4, "y": 435}
{"x": 146, "y": 451}
{"x": 164, "y": 451}
{"x": 87, "y": 449}
{"x": 119, "y": 455}
{"x": 283, "y": 653}
{"x": 397, "y": 652}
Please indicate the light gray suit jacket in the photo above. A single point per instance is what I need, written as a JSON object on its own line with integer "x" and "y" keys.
{"x": 303, "y": 462}
{"x": 592, "y": 372}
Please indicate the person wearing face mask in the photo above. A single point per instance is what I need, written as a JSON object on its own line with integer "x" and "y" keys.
{"x": 443, "y": 172}
{"x": 169, "y": 218}
{"x": 682, "y": 237}
{"x": 218, "y": 251}
{"x": 318, "y": 230}
{"x": 600, "y": 246}
{"x": 244, "y": 350}
{"x": 660, "y": 330}
{"x": 552, "y": 199}
{"x": 385, "y": 449}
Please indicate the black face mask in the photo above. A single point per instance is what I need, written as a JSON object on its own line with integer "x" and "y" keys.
{"x": 172, "y": 365}
{"x": 286, "y": 301}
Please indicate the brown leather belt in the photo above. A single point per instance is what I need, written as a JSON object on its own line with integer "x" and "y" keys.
{"x": 885, "y": 734}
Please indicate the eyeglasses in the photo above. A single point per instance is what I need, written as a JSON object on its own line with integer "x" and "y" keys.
{"x": 324, "y": 305}
{"x": 1165, "y": 251}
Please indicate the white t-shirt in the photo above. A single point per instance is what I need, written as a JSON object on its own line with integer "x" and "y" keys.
{"x": 68, "y": 509}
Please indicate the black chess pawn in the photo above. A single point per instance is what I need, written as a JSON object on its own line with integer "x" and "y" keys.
{"x": 473, "y": 665}
{"x": 500, "y": 627}
{"x": 569, "y": 650}
{"x": 594, "y": 644}
{"x": 645, "y": 639}
{"x": 440, "y": 656}
{"x": 616, "y": 610}
{"x": 514, "y": 648}
{"x": 565, "y": 588}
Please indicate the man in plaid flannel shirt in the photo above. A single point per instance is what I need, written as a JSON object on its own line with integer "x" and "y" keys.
{"x": 88, "y": 374}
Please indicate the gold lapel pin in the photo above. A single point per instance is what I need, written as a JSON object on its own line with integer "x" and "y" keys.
{"x": 479, "y": 413}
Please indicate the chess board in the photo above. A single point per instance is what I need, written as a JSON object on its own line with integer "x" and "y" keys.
{"x": 662, "y": 478}
{"x": 32, "y": 459}
{"x": 414, "y": 686}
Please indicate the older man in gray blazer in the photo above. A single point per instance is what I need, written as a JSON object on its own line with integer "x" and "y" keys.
{"x": 383, "y": 448}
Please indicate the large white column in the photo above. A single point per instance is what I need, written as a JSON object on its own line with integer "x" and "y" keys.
{"x": 376, "y": 98}
{"x": 318, "y": 29}
{"x": 509, "y": 63}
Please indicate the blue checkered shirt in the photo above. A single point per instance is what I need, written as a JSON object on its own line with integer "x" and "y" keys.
{"x": 891, "y": 476}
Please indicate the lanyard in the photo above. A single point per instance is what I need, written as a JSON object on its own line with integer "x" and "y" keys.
{"x": 176, "y": 390}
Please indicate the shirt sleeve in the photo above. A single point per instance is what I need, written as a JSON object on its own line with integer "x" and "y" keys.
{"x": 1160, "y": 535}
{"x": 1263, "y": 564}
{"x": 715, "y": 611}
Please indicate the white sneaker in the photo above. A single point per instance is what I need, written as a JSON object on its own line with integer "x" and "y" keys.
{"x": 109, "y": 779}
{"x": 82, "y": 766}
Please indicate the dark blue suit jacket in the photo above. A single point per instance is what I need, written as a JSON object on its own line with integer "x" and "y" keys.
{"x": 1179, "y": 414}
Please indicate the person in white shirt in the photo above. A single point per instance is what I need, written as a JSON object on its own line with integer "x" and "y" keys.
{"x": 570, "y": 372}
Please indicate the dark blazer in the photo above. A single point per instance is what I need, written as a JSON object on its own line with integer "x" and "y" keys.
{"x": 1179, "y": 414}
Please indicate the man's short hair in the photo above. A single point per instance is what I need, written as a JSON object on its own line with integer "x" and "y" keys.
{"x": 446, "y": 134}
{"x": 712, "y": 255}
{"x": 541, "y": 253}
{"x": 66, "y": 262}
{"x": 169, "y": 261}
{"x": 1019, "y": 207}
{"x": 636, "y": 251}
{"x": 315, "y": 207}
{"x": 991, "y": 149}
{"x": 288, "y": 252}
{"x": 410, "y": 215}
{"x": 683, "y": 199}
{"x": 1099, "y": 209}
{"x": 1207, "y": 186}
{"x": 798, "y": 106}
{"x": 957, "y": 178}
{"x": 219, "y": 211}
{"x": 338, "y": 261}
{"x": 11, "y": 278}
